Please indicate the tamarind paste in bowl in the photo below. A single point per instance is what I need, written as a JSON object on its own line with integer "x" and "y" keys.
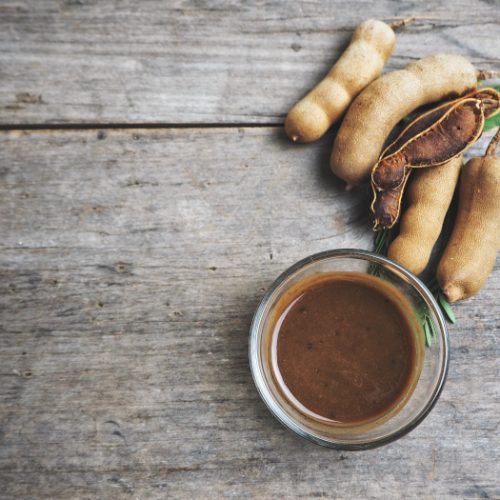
{"x": 343, "y": 347}
{"x": 348, "y": 349}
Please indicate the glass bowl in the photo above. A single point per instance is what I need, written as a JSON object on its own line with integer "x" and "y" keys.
{"x": 434, "y": 357}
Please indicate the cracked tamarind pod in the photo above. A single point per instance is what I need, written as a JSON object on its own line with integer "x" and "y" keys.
{"x": 362, "y": 62}
{"x": 457, "y": 129}
{"x": 471, "y": 251}
{"x": 390, "y": 201}
{"x": 386, "y": 101}
{"x": 488, "y": 96}
{"x": 429, "y": 193}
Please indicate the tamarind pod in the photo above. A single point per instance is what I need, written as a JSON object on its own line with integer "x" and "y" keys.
{"x": 457, "y": 129}
{"x": 386, "y": 205}
{"x": 488, "y": 96}
{"x": 470, "y": 254}
{"x": 455, "y": 132}
{"x": 362, "y": 62}
{"x": 452, "y": 134}
{"x": 386, "y": 101}
{"x": 418, "y": 125}
{"x": 428, "y": 195}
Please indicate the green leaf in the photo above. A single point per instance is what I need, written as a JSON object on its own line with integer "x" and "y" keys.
{"x": 382, "y": 239}
{"x": 492, "y": 122}
{"x": 448, "y": 311}
{"x": 379, "y": 239}
{"x": 383, "y": 236}
{"x": 495, "y": 86}
{"x": 427, "y": 331}
{"x": 381, "y": 242}
{"x": 433, "y": 328}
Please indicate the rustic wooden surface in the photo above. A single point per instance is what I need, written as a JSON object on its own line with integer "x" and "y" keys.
{"x": 203, "y": 61}
{"x": 131, "y": 260}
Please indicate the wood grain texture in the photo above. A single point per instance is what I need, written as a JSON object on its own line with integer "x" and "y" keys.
{"x": 197, "y": 61}
{"x": 131, "y": 263}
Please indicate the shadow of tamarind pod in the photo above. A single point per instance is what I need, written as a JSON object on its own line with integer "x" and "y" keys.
{"x": 470, "y": 254}
{"x": 362, "y": 62}
{"x": 386, "y": 101}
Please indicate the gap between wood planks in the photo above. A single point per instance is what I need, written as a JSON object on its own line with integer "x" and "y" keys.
{"x": 131, "y": 126}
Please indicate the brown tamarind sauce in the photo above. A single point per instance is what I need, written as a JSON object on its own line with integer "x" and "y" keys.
{"x": 343, "y": 347}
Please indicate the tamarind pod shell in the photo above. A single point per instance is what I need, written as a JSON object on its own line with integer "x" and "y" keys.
{"x": 418, "y": 125}
{"x": 491, "y": 105}
{"x": 428, "y": 194}
{"x": 386, "y": 205}
{"x": 470, "y": 254}
{"x": 386, "y": 101}
{"x": 432, "y": 139}
{"x": 362, "y": 62}
{"x": 389, "y": 172}
{"x": 456, "y": 130}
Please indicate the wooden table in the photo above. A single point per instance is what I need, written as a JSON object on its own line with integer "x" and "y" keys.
{"x": 148, "y": 196}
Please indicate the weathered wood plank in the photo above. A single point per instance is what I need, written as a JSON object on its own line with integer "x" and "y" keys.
{"x": 200, "y": 61}
{"x": 131, "y": 264}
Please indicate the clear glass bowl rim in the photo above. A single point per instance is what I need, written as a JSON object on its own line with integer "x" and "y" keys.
{"x": 254, "y": 347}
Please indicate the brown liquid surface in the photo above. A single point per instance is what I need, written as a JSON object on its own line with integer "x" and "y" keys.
{"x": 345, "y": 347}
